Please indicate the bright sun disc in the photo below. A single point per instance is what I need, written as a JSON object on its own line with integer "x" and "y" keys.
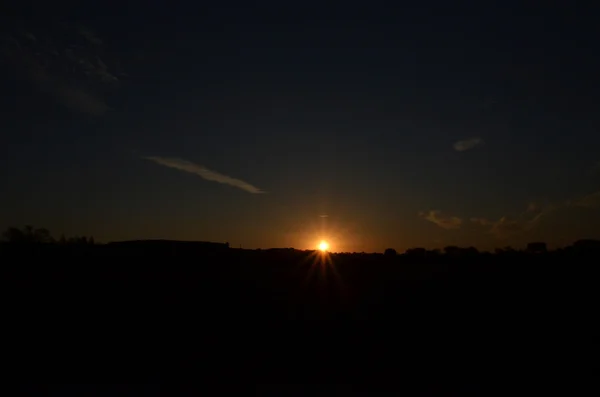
{"x": 323, "y": 246}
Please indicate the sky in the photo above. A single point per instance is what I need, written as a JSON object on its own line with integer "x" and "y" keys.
{"x": 271, "y": 124}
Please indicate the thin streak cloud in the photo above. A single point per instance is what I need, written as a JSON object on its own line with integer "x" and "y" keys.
{"x": 467, "y": 144}
{"x": 203, "y": 172}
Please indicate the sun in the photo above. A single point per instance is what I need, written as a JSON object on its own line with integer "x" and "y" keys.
{"x": 323, "y": 245}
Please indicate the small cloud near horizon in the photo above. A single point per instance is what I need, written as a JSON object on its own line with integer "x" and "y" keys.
{"x": 467, "y": 144}
{"x": 443, "y": 221}
{"x": 514, "y": 226}
{"x": 507, "y": 227}
{"x": 203, "y": 172}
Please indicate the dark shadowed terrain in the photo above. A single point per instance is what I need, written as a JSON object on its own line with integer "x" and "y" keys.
{"x": 426, "y": 322}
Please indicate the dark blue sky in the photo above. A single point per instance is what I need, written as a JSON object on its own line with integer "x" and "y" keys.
{"x": 473, "y": 123}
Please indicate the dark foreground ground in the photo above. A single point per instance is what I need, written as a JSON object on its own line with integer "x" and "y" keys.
{"x": 286, "y": 322}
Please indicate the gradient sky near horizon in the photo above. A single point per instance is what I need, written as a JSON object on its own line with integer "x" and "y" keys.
{"x": 266, "y": 124}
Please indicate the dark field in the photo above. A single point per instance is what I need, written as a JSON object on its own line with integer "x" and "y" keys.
{"x": 480, "y": 324}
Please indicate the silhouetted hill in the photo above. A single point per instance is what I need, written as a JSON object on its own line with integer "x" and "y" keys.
{"x": 431, "y": 322}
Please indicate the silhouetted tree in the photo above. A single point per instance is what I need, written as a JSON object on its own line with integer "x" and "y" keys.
{"x": 506, "y": 250}
{"x": 451, "y": 250}
{"x": 80, "y": 240}
{"x": 390, "y": 252}
{"x": 14, "y": 235}
{"x": 470, "y": 251}
{"x": 536, "y": 248}
{"x": 28, "y": 235}
{"x": 415, "y": 252}
{"x": 42, "y": 236}
{"x": 587, "y": 245}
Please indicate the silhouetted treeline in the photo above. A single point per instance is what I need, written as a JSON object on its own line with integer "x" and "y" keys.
{"x": 39, "y": 237}
{"x": 31, "y": 235}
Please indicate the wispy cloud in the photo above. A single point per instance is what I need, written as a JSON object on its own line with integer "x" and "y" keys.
{"x": 204, "y": 172}
{"x": 507, "y": 226}
{"x": 74, "y": 75}
{"x": 443, "y": 221}
{"x": 73, "y": 97}
{"x": 467, "y": 144}
{"x": 90, "y": 35}
{"x": 591, "y": 200}
{"x": 512, "y": 226}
